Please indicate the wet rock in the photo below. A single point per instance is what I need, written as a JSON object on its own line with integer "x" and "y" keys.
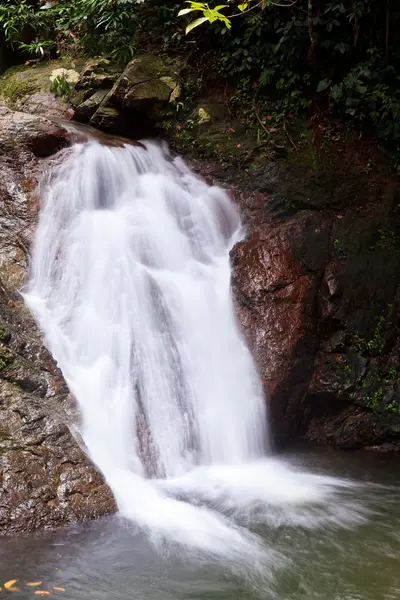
{"x": 46, "y": 480}
{"x": 45, "y": 103}
{"x": 317, "y": 289}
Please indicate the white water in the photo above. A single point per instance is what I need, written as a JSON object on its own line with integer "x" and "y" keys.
{"x": 130, "y": 282}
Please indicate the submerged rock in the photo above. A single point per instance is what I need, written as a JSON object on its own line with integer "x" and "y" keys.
{"x": 45, "y": 478}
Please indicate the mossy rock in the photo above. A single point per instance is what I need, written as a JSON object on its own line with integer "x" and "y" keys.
{"x": 18, "y": 83}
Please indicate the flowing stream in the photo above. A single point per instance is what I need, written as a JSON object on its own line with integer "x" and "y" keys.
{"x": 130, "y": 283}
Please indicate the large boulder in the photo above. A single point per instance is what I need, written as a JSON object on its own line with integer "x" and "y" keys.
{"x": 45, "y": 477}
{"x": 142, "y": 97}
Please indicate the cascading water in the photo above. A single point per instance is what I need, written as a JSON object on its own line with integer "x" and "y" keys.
{"x": 130, "y": 282}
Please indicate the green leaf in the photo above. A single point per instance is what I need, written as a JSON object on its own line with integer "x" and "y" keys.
{"x": 323, "y": 85}
{"x": 195, "y": 23}
{"x": 243, "y": 7}
{"x": 185, "y": 11}
{"x": 336, "y": 93}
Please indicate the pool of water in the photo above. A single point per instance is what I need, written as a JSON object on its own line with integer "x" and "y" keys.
{"x": 109, "y": 559}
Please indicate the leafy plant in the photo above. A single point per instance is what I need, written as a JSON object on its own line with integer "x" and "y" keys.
{"x": 60, "y": 87}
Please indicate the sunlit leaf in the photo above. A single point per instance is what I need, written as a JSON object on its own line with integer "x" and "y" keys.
{"x": 59, "y": 589}
{"x": 34, "y": 583}
{"x": 243, "y": 7}
{"x": 196, "y": 23}
{"x": 9, "y": 584}
{"x": 185, "y": 11}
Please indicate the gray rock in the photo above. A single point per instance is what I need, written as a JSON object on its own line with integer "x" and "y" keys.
{"x": 46, "y": 480}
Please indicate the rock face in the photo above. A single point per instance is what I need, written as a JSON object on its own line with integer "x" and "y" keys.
{"x": 45, "y": 478}
{"x": 317, "y": 288}
{"x": 142, "y": 97}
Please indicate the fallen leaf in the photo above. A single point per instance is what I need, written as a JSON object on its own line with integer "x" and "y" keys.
{"x": 269, "y": 117}
{"x": 59, "y": 589}
{"x": 9, "y": 584}
{"x": 339, "y": 216}
{"x": 34, "y": 583}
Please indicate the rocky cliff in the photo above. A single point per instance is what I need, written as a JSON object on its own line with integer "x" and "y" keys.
{"x": 317, "y": 289}
{"x": 45, "y": 477}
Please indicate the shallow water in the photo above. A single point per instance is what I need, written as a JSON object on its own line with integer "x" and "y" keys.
{"x": 108, "y": 559}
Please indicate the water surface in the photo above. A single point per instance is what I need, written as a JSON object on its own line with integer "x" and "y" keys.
{"x": 109, "y": 559}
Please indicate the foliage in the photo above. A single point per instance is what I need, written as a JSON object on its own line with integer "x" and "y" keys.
{"x": 336, "y": 56}
{"x": 375, "y": 345}
{"x": 18, "y": 19}
{"x": 212, "y": 14}
{"x": 97, "y": 26}
{"x": 92, "y": 26}
{"x": 60, "y": 87}
{"x": 5, "y": 356}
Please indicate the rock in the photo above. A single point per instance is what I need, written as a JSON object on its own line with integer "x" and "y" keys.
{"x": 275, "y": 295}
{"x": 46, "y": 479}
{"x": 142, "y": 97}
{"x": 32, "y": 134}
{"x": 86, "y": 109}
{"x": 70, "y": 75}
{"x": 98, "y": 73}
{"x": 29, "y": 88}
{"x": 45, "y": 103}
{"x": 316, "y": 285}
{"x": 96, "y": 79}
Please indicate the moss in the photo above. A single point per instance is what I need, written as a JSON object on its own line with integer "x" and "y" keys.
{"x": 5, "y": 357}
{"x": 15, "y": 84}
{"x": 19, "y": 82}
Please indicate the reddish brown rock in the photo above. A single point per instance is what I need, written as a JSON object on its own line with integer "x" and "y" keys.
{"x": 317, "y": 289}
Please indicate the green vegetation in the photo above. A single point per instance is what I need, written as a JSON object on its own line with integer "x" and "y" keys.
{"x": 285, "y": 58}
{"x": 5, "y": 357}
{"x": 60, "y": 87}
{"x": 14, "y": 88}
{"x": 375, "y": 345}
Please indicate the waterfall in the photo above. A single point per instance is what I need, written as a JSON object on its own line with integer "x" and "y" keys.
{"x": 130, "y": 283}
